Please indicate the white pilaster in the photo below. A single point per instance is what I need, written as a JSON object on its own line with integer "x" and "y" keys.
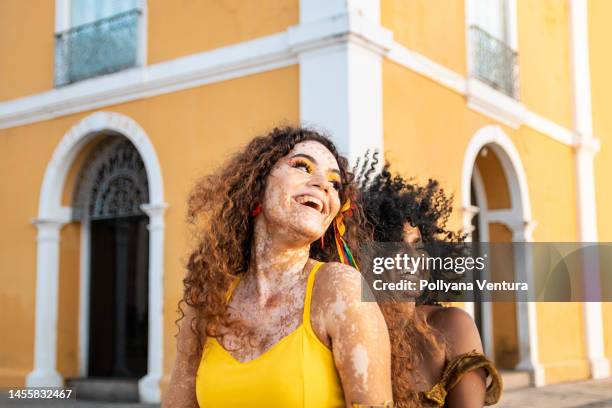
{"x": 586, "y": 146}
{"x": 340, "y": 46}
{"x": 47, "y": 281}
{"x": 522, "y": 232}
{"x": 84, "y": 298}
{"x": 148, "y": 386}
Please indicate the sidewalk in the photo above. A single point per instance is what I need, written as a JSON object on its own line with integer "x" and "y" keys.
{"x": 4, "y": 403}
{"x": 583, "y": 394}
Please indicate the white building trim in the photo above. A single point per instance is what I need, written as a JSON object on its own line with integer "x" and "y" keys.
{"x": 246, "y": 58}
{"x": 340, "y": 47}
{"x": 84, "y": 298}
{"x": 481, "y": 97}
{"x": 494, "y": 104}
{"x": 63, "y": 23}
{"x": 45, "y": 372}
{"x": 62, "y": 15}
{"x": 322, "y": 23}
{"x": 511, "y": 14}
{"x": 586, "y": 147}
{"x": 511, "y": 163}
{"x": 51, "y": 216}
{"x": 486, "y": 312}
{"x": 549, "y": 128}
{"x": 513, "y": 24}
{"x": 428, "y": 68}
{"x": 518, "y": 219}
{"x": 143, "y": 34}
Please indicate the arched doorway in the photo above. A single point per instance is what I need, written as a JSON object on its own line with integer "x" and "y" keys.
{"x": 53, "y": 215}
{"x": 495, "y": 200}
{"x": 111, "y": 188}
{"x": 497, "y": 321}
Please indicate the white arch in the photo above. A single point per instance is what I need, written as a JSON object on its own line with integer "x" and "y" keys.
{"x": 518, "y": 219}
{"x": 52, "y": 216}
{"x": 77, "y": 137}
{"x": 500, "y": 143}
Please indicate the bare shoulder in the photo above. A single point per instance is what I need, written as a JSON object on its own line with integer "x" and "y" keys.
{"x": 356, "y": 332}
{"x": 458, "y": 328}
{"x": 338, "y": 277}
{"x": 337, "y": 302}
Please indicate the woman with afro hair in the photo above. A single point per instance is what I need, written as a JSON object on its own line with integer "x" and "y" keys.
{"x": 439, "y": 346}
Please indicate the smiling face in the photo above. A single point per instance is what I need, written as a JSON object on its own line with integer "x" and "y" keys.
{"x": 302, "y": 191}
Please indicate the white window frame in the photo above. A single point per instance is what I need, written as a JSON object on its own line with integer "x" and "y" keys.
{"x": 480, "y": 96}
{"x": 512, "y": 24}
{"x": 62, "y": 23}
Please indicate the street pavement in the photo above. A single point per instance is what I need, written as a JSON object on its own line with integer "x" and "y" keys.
{"x": 583, "y": 394}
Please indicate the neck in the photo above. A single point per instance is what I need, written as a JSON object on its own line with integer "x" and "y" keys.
{"x": 277, "y": 263}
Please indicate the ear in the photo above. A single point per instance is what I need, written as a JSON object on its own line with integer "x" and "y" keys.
{"x": 411, "y": 235}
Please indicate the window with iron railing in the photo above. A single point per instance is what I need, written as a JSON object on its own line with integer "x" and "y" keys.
{"x": 492, "y": 36}
{"x": 494, "y": 62}
{"x": 98, "y": 47}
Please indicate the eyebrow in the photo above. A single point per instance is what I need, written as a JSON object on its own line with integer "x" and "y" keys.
{"x": 312, "y": 159}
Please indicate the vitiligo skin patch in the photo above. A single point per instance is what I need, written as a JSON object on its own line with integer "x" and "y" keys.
{"x": 300, "y": 202}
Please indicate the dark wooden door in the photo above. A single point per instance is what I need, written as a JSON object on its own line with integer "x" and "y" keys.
{"x": 118, "y": 310}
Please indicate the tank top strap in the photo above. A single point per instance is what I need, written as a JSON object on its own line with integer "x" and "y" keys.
{"x": 308, "y": 297}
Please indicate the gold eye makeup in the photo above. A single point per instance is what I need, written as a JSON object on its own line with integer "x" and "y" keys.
{"x": 335, "y": 181}
{"x": 300, "y": 163}
{"x": 308, "y": 164}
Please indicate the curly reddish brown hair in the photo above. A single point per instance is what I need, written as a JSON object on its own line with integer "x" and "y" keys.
{"x": 218, "y": 212}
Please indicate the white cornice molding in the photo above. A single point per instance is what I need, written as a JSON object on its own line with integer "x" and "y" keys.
{"x": 242, "y": 59}
{"x": 549, "y": 128}
{"x": 265, "y": 54}
{"x": 246, "y": 58}
{"x": 586, "y": 143}
{"x": 427, "y": 68}
{"x": 340, "y": 28}
{"x": 484, "y": 99}
{"x": 481, "y": 97}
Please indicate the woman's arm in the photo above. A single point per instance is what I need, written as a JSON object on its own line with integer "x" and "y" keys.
{"x": 180, "y": 392}
{"x": 359, "y": 337}
{"x": 462, "y": 336}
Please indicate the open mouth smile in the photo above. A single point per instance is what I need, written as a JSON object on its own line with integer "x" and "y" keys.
{"x": 311, "y": 201}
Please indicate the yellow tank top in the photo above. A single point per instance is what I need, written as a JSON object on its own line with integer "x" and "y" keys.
{"x": 298, "y": 371}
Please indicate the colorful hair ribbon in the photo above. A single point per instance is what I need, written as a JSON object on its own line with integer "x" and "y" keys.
{"x": 344, "y": 252}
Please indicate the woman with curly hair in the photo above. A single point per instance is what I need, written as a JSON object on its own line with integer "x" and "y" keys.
{"x": 442, "y": 350}
{"x": 270, "y": 318}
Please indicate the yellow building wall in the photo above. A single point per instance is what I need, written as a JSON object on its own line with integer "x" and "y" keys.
{"x": 68, "y": 304}
{"x": 26, "y": 26}
{"x": 414, "y": 130}
{"x": 24, "y": 151}
{"x": 174, "y": 29}
{"x": 601, "y": 89}
{"x": 185, "y": 27}
{"x": 495, "y": 184}
{"x": 192, "y": 131}
{"x": 504, "y": 319}
{"x": 423, "y": 25}
{"x": 543, "y": 36}
{"x": 419, "y": 116}
{"x": 551, "y": 177}
{"x": 562, "y": 360}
